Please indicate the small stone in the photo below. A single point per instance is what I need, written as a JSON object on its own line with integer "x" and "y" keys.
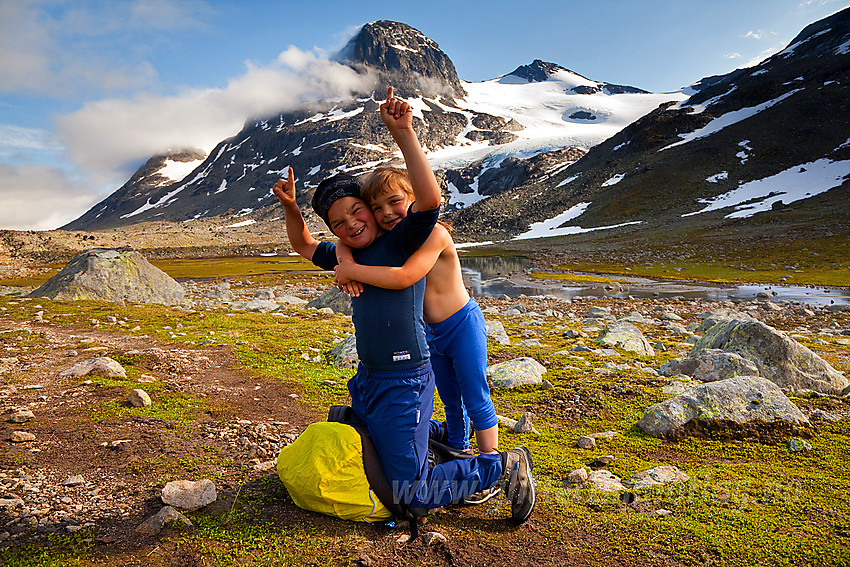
{"x": 22, "y": 436}
{"x": 799, "y": 445}
{"x": 586, "y": 442}
{"x": 605, "y": 459}
{"x": 74, "y": 480}
{"x": 663, "y": 512}
{"x": 189, "y": 495}
{"x": 21, "y": 416}
{"x": 403, "y": 538}
{"x": 578, "y": 476}
{"x": 523, "y": 425}
{"x": 154, "y": 524}
{"x": 139, "y": 398}
{"x": 432, "y": 538}
{"x": 546, "y": 385}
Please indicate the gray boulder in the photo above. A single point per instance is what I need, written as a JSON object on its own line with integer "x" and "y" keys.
{"x": 338, "y": 301}
{"x": 710, "y": 365}
{"x": 116, "y": 275}
{"x": 711, "y": 318}
{"x": 496, "y": 331}
{"x": 101, "y": 366}
{"x": 778, "y": 357}
{"x": 625, "y": 336}
{"x": 516, "y": 372}
{"x": 345, "y": 353}
{"x": 740, "y": 406}
{"x": 664, "y": 474}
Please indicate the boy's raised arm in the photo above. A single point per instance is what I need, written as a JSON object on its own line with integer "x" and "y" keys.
{"x": 296, "y": 230}
{"x": 397, "y": 115}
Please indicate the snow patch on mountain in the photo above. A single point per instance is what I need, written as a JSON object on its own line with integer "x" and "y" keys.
{"x": 793, "y": 184}
{"x": 728, "y": 119}
{"x": 173, "y": 171}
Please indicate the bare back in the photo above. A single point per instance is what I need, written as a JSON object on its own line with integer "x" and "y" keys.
{"x": 445, "y": 293}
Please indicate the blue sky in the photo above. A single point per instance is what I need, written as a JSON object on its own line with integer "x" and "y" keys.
{"x": 90, "y": 89}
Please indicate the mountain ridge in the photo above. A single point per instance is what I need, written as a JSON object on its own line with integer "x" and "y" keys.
{"x": 674, "y": 164}
{"x": 475, "y": 146}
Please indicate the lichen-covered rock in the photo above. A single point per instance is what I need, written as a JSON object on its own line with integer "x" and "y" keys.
{"x": 779, "y": 358}
{"x": 664, "y": 474}
{"x": 101, "y": 366}
{"x": 740, "y": 406}
{"x": 605, "y": 481}
{"x": 625, "y": 336}
{"x": 710, "y": 365}
{"x": 116, "y": 275}
{"x": 711, "y": 318}
{"x": 338, "y": 301}
{"x": 496, "y": 331}
{"x": 516, "y": 372}
{"x": 345, "y": 353}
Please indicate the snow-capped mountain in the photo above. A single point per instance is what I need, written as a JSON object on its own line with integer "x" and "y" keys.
{"x": 482, "y": 138}
{"x": 764, "y": 149}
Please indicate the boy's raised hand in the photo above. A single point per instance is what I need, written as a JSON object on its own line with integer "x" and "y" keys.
{"x": 284, "y": 189}
{"x": 396, "y": 114}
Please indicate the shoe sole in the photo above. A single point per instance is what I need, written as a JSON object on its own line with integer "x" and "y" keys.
{"x": 493, "y": 492}
{"x": 532, "y": 494}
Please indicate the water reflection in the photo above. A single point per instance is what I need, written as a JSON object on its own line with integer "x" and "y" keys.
{"x": 494, "y": 276}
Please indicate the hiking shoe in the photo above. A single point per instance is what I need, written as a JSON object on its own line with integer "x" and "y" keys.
{"x": 518, "y": 483}
{"x": 482, "y": 496}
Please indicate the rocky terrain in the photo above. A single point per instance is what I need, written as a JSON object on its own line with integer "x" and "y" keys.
{"x": 84, "y": 458}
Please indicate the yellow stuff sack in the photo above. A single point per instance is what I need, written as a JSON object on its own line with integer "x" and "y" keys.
{"x": 323, "y": 471}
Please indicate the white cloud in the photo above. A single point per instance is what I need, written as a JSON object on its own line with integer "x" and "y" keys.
{"x": 733, "y": 55}
{"x": 754, "y": 34}
{"x": 19, "y": 137}
{"x": 36, "y": 197}
{"x": 60, "y": 49}
{"x": 109, "y": 136}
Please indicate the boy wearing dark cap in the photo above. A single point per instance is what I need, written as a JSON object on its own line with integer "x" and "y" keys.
{"x": 393, "y": 389}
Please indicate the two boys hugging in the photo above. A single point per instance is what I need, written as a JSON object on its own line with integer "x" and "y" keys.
{"x": 389, "y": 251}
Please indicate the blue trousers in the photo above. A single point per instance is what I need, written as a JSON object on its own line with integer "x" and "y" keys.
{"x": 396, "y": 407}
{"x": 459, "y": 357}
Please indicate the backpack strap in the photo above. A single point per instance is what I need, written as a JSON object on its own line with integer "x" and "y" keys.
{"x": 375, "y": 473}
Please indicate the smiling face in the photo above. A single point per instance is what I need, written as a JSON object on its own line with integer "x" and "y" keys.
{"x": 353, "y": 222}
{"x": 389, "y": 207}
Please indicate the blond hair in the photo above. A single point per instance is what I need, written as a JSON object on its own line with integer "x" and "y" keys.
{"x": 385, "y": 179}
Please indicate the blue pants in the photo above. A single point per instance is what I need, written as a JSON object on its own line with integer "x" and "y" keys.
{"x": 396, "y": 407}
{"x": 459, "y": 357}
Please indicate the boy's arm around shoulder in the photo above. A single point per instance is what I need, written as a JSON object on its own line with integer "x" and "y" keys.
{"x": 414, "y": 269}
{"x": 296, "y": 229}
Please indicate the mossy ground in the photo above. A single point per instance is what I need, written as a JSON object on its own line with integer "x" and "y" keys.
{"x": 746, "y": 502}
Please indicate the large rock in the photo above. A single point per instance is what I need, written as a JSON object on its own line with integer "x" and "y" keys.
{"x": 778, "y": 357}
{"x": 625, "y": 336}
{"x": 116, "y": 275}
{"x": 338, "y": 301}
{"x": 516, "y": 372}
{"x": 101, "y": 366}
{"x": 710, "y": 365}
{"x": 744, "y": 406}
{"x": 711, "y": 318}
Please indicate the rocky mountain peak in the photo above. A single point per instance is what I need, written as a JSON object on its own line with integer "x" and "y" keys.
{"x": 404, "y": 57}
{"x": 537, "y": 72}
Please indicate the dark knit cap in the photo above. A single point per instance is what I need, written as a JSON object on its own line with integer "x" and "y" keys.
{"x": 331, "y": 190}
